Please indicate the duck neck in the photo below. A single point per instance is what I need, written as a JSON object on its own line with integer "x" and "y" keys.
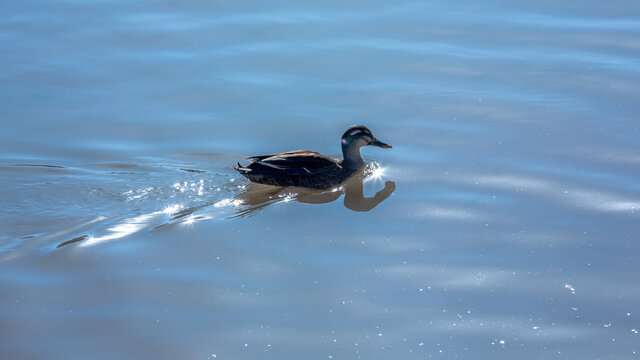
{"x": 351, "y": 156}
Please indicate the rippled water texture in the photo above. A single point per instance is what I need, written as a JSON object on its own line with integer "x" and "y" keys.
{"x": 503, "y": 224}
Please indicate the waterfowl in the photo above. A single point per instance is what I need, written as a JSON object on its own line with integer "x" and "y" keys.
{"x": 309, "y": 169}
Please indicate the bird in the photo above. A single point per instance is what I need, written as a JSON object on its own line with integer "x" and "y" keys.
{"x": 309, "y": 169}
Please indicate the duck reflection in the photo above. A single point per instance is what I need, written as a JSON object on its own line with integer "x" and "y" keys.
{"x": 256, "y": 196}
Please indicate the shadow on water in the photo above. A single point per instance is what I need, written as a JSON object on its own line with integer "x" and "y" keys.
{"x": 205, "y": 204}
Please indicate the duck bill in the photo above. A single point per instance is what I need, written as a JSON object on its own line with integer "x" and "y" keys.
{"x": 379, "y": 143}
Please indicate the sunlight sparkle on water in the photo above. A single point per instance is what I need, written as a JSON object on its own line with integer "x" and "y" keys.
{"x": 287, "y": 197}
{"x": 196, "y": 188}
{"x": 570, "y": 287}
{"x": 171, "y": 209}
{"x": 192, "y": 219}
{"x": 228, "y": 202}
{"x": 124, "y": 228}
{"x": 376, "y": 174}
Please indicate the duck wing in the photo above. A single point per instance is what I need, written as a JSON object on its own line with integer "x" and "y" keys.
{"x": 299, "y": 161}
{"x": 303, "y": 168}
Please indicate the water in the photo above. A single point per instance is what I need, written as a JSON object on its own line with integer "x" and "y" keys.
{"x": 505, "y": 226}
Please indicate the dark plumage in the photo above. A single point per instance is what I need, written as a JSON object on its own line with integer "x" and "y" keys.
{"x": 309, "y": 169}
{"x": 303, "y": 168}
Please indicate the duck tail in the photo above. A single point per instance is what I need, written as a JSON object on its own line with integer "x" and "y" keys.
{"x": 241, "y": 169}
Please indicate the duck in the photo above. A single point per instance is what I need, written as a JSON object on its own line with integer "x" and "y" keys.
{"x": 310, "y": 169}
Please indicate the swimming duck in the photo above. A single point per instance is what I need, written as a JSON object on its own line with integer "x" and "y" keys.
{"x": 309, "y": 169}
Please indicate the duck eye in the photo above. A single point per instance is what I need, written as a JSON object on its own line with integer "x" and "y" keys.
{"x": 344, "y": 141}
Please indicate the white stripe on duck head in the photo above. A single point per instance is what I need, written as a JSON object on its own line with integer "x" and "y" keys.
{"x": 355, "y": 137}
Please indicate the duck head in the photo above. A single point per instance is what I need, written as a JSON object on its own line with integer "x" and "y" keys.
{"x": 353, "y": 139}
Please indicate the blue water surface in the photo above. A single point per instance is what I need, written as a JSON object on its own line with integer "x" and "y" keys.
{"x": 507, "y": 217}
